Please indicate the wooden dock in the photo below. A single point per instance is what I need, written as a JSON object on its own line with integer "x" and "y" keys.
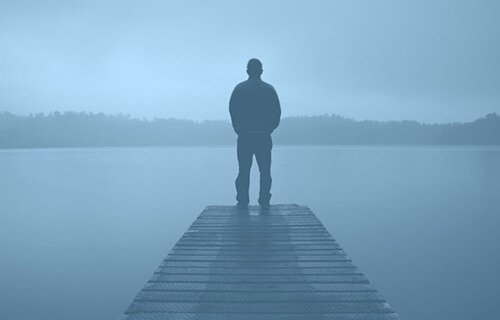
{"x": 251, "y": 265}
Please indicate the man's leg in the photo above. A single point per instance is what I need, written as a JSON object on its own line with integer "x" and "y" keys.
{"x": 263, "y": 155}
{"x": 244, "y": 153}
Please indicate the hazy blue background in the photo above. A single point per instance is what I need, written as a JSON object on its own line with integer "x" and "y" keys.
{"x": 423, "y": 60}
{"x": 82, "y": 230}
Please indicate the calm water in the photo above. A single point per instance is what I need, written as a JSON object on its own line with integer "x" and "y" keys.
{"x": 81, "y": 230}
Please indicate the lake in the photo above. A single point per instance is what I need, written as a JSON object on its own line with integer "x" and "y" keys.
{"x": 82, "y": 229}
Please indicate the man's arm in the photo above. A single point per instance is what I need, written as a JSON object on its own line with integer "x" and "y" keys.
{"x": 276, "y": 111}
{"x": 234, "y": 110}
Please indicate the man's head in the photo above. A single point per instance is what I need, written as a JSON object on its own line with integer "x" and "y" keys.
{"x": 254, "y": 68}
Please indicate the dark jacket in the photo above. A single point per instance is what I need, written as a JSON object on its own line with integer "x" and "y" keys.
{"x": 254, "y": 107}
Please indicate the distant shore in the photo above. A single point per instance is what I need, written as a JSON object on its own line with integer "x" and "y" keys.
{"x": 85, "y": 129}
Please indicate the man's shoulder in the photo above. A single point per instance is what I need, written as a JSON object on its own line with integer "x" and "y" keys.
{"x": 253, "y": 84}
{"x": 267, "y": 85}
{"x": 241, "y": 85}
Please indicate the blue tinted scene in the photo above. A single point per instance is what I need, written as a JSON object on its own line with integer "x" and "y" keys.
{"x": 254, "y": 160}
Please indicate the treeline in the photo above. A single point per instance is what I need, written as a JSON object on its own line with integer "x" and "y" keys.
{"x": 86, "y": 129}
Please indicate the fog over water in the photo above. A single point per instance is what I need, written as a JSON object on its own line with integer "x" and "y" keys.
{"x": 82, "y": 229}
{"x": 433, "y": 61}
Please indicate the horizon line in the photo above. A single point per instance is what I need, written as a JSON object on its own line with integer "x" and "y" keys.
{"x": 149, "y": 119}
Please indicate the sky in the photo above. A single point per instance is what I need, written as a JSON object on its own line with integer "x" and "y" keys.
{"x": 430, "y": 61}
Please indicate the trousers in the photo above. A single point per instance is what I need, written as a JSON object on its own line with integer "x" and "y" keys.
{"x": 249, "y": 145}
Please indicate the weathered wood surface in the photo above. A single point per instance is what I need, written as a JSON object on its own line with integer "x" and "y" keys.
{"x": 253, "y": 265}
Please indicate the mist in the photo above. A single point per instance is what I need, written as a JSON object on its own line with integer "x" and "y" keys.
{"x": 121, "y": 120}
{"x": 424, "y": 60}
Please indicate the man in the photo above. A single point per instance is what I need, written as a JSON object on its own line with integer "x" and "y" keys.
{"x": 255, "y": 113}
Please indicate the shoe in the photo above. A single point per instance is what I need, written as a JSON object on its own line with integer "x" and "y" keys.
{"x": 265, "y": 206}
{"x": 241, "y": 205}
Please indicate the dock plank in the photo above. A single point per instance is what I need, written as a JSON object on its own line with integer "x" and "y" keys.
{"x": 258, "y": 265}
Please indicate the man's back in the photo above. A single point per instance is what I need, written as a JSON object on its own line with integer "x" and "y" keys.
{"x": 254, "y": 107}
{"x": 255, "y": 113}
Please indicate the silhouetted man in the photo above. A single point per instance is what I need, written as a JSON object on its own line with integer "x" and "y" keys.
{"x": 255, "y": 113}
